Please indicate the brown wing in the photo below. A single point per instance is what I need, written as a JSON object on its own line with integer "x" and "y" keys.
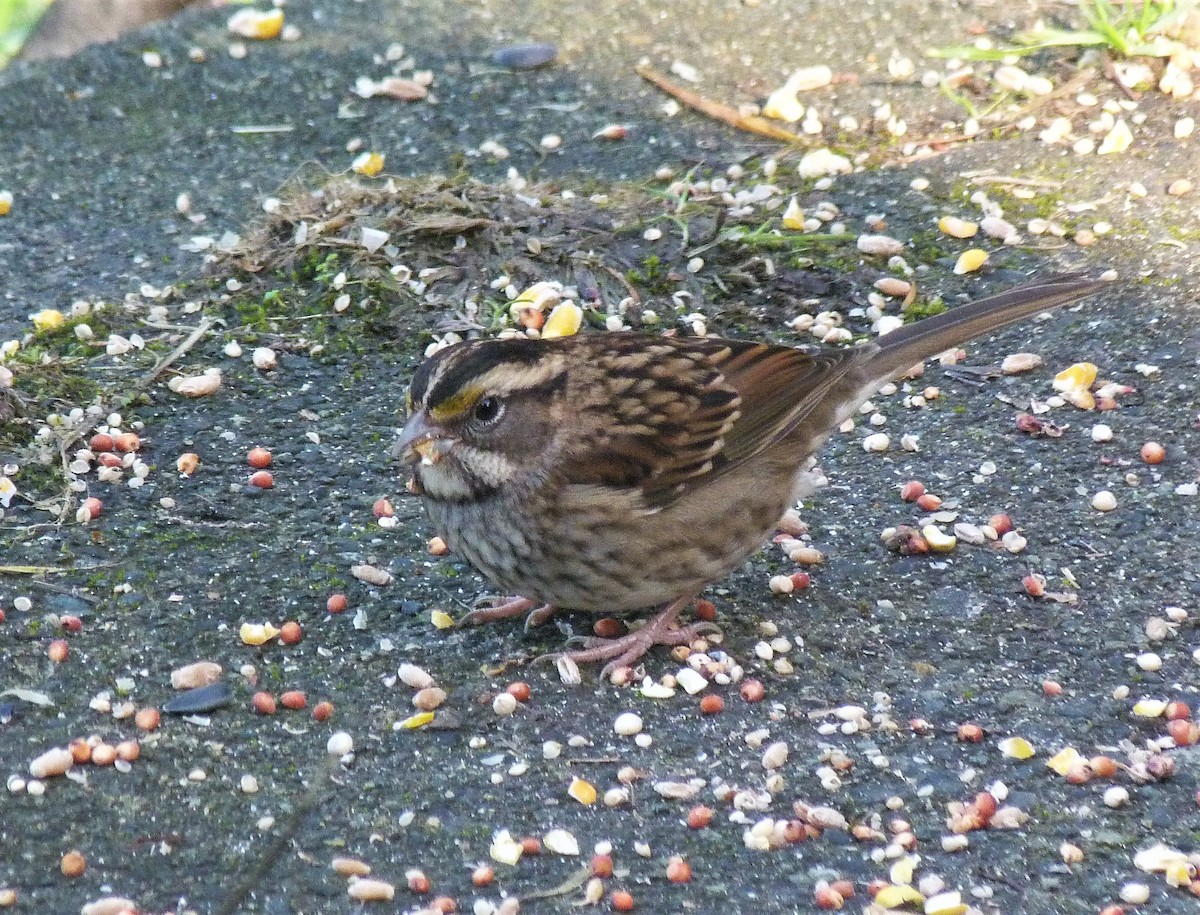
{"x": 685, "y": 411}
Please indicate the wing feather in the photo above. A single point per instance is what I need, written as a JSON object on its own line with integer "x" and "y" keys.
{"x": 690, "y": 410}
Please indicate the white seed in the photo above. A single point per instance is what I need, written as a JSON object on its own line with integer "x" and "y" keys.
{"x": 560, "y": 842}
{"x": 1102, "y": 433}
{"x": 504, "y": 704}
{"x": 691, "y": 680}
{"x": 955, "y": 843}
{"x": 1016, "y": 363}
{"x": 1013, "y": 542}
{"x": 615, "y": 797}
{"x": 1104, "y": 501}
{"x": 339, "y": 744}
{"x": 627, "y": 724}
{"x": 428, "y": 699}
{"x": 876, "y": 442}
{"x": 370, "y": 890}
{"x": 879, "y": 244}
{"x": 775, "y": 755}
{"x": 1116, "y": 796}
{"x": 196, "y": 385}
{"x": 1071, "y": 854}
{"x": 1135, "y": 893}
{"x": 51, "y": 763}
{"x": 781, "y": 584}
{"x": 264, "y": 358}
{"x": 413, "y": 676}
{"x": 1149, "y": 661}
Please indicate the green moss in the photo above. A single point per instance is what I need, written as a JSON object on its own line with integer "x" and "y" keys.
{"x": 919, "y": 310}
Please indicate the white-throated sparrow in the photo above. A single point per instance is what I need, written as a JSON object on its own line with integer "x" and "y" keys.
{"x": 605, "y": 472}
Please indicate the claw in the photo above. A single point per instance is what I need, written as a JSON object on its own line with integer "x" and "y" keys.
{"x": 503, "y": 608}
{"x": 625, "y": 650}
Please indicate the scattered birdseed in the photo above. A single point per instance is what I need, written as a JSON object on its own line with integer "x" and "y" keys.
{"x": 627, "y": 724}
{"x": 1104, "y": 501}
{"x": 561, "y": 842}
{"x": 970, "y": 261}
{"x": 1017, "y": 748}
{"x": 370, "y": 890}
{"x": 1149, "y": 661}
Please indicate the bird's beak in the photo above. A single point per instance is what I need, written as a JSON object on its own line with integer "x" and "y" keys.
{"x": 421, "y": 442}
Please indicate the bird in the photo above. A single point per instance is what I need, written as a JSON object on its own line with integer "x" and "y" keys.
{"x": 613, "y": 471}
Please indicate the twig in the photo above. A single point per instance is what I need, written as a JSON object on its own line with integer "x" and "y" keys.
{"x": 150, "y": 377}
{"x": 620, "y": 278}
{"x": 717, "y": 110}
{"x": 1013, "y": 180}
{"x": 253, "y": 878}
{"x": 570, "y": 885}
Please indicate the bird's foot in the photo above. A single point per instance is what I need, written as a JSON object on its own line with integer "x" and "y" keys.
{"x": 624, "y": 650}
{"x": 504, "y": 608}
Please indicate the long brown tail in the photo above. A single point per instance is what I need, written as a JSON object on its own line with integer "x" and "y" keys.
{"x": 916, "y": 342}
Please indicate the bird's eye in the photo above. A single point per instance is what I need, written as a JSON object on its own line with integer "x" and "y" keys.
{"x": 487, "y": 410}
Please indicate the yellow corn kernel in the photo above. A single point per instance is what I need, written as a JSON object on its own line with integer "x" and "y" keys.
{"x": 970, "y": 261}
{"x": 958, "y": 228}
{"x": 563, "y": 321}
{"x": 369, "y": 164}
{"x": 1017, "y": 748}
{"x": 256, "y": 24}
{"x": 582, "y": 791}
{"x": 47, "y": 319}
{"x": 257, "y": 633}
{"x": 1062, "y": 761}
{"x": 793, "y": 216}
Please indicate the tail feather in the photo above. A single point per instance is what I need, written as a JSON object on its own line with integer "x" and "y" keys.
{"x": 916, "y": 342}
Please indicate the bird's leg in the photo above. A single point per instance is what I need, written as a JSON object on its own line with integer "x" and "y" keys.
{"x": 624, "y": 650}
{"x": 507, "y": 607}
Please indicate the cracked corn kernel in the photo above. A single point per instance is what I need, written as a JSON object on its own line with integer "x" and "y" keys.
{"x": 369, "y": 164}
{"x": 1080, "y": 375}
{"x": 958, "y": 228}
{"x": 412, "y": 722}
{"x": 1062, "y": 761}
{"x": 257, "y": 633}
{"x": 582, "y": 791}
{"x": 1017, "y": 748}
{"x": 894, "y": 897}
{"x": 1149, "y": 708}
{"x": 563, "y": 321}
{"x": 47, "y": 319}
{"x": 441, "y": 619}
{"x": 256, "y": 24}
{"x": 793, "y": 216}
{"x": 970, "y": 261}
